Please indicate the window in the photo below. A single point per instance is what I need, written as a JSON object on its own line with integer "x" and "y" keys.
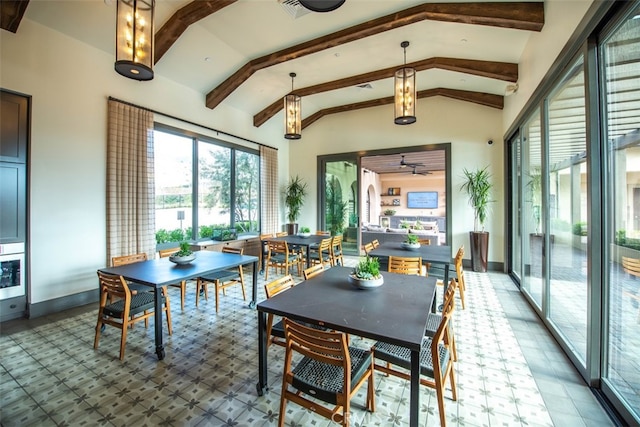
{"x": 203, "y": 185}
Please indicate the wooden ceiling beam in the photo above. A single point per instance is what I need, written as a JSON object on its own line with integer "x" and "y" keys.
{"x": 486, "y": 99}
{"x": 518, "y": 15}
{"x": 11, "y": 13}
{"x": 495, "y": 70}
{"x": 180, "y": 21}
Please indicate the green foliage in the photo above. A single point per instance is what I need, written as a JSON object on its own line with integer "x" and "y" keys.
{"x": 580, "y": 228}
{"x": 404, "y": 224}
{"x": 185, "y": 249}
{"x": 336, "y": 207}
{"x": 353, "y": 219}
{"x": 412, "y": 238}
{"x": 477, "y": 185}
{"x": 368, "y": 268}
{"x": 621, "y": 239}
{"x": 389, "y": 212}
{"x": 305, "y": 230}
{"x": 294, "y": 195}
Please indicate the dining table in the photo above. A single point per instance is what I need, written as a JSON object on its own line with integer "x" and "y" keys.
{"x": 434, "y": 254}
{"x": 302, "y": 241}
{"x": 161, "y": 272}
{"x": 395, "y": 312}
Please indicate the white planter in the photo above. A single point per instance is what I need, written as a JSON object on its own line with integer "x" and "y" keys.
{"x": 365, "y": 284}
{"x": 410, "y": 246}
{"x": 181, "y": 260}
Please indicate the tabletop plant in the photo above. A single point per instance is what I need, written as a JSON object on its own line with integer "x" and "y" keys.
{"x": 412, "y": 239}
{"x": 185, "y": 250}
{"x": 305, "y": 230}
{"x": 367, "y": 269}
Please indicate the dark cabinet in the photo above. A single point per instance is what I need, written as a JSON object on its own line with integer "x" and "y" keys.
{"x": 14, "y": 128}
{"x": 12, "y": 202}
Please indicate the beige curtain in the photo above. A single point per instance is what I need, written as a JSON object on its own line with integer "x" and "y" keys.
{"x": 130, "y": 182}
{"x": 269, "y": 189}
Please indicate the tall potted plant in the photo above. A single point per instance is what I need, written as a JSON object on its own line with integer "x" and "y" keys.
{"x": 294, "y": 195}
{"x": 478, "y": 186}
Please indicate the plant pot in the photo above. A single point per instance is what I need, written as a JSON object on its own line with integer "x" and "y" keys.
{"x": 182, "y": 260}
{"x": 410, "y": 246}
{"x": 304, "y": 235}
{"x": 479, "y": 250}
{"x": 365, "y": 283}
{"x": 292, "y": 229}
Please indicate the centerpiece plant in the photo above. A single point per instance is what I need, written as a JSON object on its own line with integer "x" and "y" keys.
{"x": 185, "y": 250}
{"x": 367, "y": 269}
{"x": 412, "y": 239}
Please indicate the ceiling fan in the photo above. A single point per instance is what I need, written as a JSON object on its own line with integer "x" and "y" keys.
{"x": 415, "y": 172}
{"x": 404, "y": 164}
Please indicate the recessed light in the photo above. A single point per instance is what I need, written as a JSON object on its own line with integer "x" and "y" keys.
{"x": 463, "y": 40}
{"x": 207, "y": 59}
{"x": 337, "y": 54}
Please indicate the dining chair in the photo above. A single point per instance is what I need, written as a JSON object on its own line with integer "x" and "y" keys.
{"x": 328, "y": 370}
{"x": 321, "y": 255}
{"x": 375, "y": 243}
{"x": 434, "y": 319}
{"x": 263, "y": 244}
{"x": 275, "y": 332}
{"x": 368, "y": 247}
{"x": 460, "y": 275}
{"x": 314, "y": 246}
{"x": 117, "y": 261}
{"x": 124, "y": 308}
{"x": 407, "y": 265}
{"x": 164, "y": 253}
{"x": 336, "y": 251}
{"x": 313, "y": 271}
{"x": 279, "y": 256}
{"x": 436, "y": 361}
{"x": 281, "y": 234}
{"x": 222, "y": 279}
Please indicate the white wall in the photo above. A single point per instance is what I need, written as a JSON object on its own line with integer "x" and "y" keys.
{"x": 70, "y": 83}
{"x": 467, "y": 126}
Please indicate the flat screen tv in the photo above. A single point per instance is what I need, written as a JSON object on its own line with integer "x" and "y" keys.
{"x": 422, "y": 200}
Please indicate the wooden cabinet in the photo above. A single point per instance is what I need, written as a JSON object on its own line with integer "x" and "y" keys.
{"x": 251, "y": 245}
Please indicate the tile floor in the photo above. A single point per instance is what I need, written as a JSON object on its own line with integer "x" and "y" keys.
{"x": 510, "y": 371}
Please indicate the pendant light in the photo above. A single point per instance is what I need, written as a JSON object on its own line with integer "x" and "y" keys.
{"x": 405, "y": 92}
{"x": 134, "y": 39}
{"x": 292, "y": 114}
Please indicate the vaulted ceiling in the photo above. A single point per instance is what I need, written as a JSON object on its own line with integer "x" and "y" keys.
{"x": 240, "y": 52}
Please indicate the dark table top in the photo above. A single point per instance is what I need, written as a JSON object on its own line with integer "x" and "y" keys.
{"x": 300, "y": 241}
{"x": 395, "y": 312}
{"x": 161, "y": 272}
{"x": 438, "y": 254}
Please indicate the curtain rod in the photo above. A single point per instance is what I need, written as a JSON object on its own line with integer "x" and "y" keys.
{"x": 111, "y": 98}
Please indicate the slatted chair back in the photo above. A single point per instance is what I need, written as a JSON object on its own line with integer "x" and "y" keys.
{"x": 275, "y": 332}
{"x": 117, "y": 261}
{"x": 460, "y": 275}
{"x": 368, "y": 247}
{"x": 281, "y": 234}
{"x": 375, "y": 243}
{"x": 425, "y": 242}
{"x": 323, "y": 233}
{"x": 631, "y": 266}
{"x": 163, "y": 253}
{"x": 322, "y": 255}
{"x": 336, "y": 251}
{"x": 313, "y": 271}
{"x": 279, "y": 256}
{"x": 406, "y": 265}
{"x": 329, "y": 371}
{"x": 222, "y": 280}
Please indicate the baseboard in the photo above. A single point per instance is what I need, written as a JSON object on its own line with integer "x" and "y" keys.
{"x": 63, "y": 303}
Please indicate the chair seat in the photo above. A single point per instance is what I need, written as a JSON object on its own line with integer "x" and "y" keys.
{"x": 401, "y": 356}
{"x": 139, "y": 303}
{"x": 222, "y": 275}
{"x": 323, "y": 381}
{"x": 138, "y": 287}
{"x": 433, "y": 322}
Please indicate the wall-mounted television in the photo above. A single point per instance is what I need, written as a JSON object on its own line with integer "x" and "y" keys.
{"x": 422, "y": 200}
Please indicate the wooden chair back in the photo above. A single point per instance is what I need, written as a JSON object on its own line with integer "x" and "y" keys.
{"x": 281, "y": 234}
{"x": 406, "y": 265}
{"x": 336, "y": 250}
{"x": 368, "y": 247}
{"x": 272, "y": 289}
{"x": 117, "y": 261}
{"x": 313, "y": 271}
{"x": 375, "y": 243}
{"x": 631, "y": 266}
{"x": 425, "y": 242}
{"x": 163, "y": 253}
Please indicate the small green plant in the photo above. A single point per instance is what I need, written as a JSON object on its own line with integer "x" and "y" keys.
{"x": 367, "y": 269}
{"x": 389, "y": 212}
{"x": 185, "y": 249}
{"x": 305, "y": 230}
{"x": 580, "y": 228}
{"x": 412, "y": 238}
{"x": 405, "y": 225}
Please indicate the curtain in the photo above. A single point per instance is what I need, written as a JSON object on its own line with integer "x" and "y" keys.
{"x": 269, "y": 189}
{"x": 130, "y": 182}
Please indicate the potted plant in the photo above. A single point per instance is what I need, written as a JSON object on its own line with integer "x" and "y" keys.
{"x": 336, "y": 208}
{"x": 304, "y": 232}
{"x": 366, "y": 274}
{"x": 294, "y": 195}
{"x": 184, "y": 256}
{"x": 478, "y": 186}
{"x": 389, "y": 212}
{"x": 411, "y": 242}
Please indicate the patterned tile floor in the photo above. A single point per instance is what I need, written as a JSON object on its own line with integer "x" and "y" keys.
{"x": 50, "y": 375}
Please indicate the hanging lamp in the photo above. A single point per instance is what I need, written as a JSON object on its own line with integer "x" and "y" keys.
{"x": 405, "y": 92}
{"x": 134, "y": 39}
{"x": 292, "y": 114}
